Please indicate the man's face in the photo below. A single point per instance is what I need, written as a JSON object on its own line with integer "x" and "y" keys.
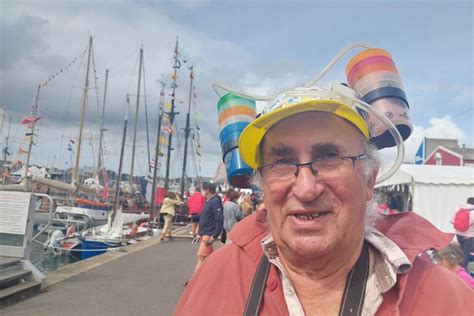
{"x": 313, "y": 215}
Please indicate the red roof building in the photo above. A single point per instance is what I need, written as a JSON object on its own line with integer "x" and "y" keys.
{"x": 444, "y": 152}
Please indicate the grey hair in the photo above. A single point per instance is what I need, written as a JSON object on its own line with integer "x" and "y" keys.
{"x": 369, "y": 167}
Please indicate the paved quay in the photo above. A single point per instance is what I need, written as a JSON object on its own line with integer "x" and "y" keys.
{"x": 145, "y": 278}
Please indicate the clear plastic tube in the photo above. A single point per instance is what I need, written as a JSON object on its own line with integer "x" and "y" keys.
{"x": 395, "y": 134}
{"x": 245, "y": 95}
{"x": 334, "y": 61}
{"x": 310, "y": 83}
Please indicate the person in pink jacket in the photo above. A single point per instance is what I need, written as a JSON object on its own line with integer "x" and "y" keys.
{"x": 451, "y": 257}
{"x": 317, "y": 247}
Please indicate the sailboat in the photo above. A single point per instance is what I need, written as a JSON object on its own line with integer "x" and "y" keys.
{"x": 97, "y": 241}
{"x": 91, "y": 212}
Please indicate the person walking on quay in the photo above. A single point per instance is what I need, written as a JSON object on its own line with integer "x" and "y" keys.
{"x": 246, "y": 204}
{"x": 315, "y": 249}
{"x": 463, "y": 224}
{"x": 232, "y": 212}
{"x": 451, "y": 258}
{"x": 168, "y": 209}
{"x": 195, "y": 205}
{"x": 210, "y": 223}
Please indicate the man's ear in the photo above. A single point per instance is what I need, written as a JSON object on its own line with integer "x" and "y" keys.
{"x": 371, "y": 184}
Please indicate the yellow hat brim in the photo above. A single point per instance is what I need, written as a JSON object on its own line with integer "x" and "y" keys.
{"x": 252, "y": 135}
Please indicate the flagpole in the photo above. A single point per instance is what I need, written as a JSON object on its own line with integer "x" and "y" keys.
{"x": 100, "y": 161}
{"x": 157, "y": 152}
{"x": 119, "y": 175}
{"x": 172, "y": 113}
{"x": 136, "y": 117}
{"x": 186, "y": 131}
{"x": 5, "y": 148}
{"x": 75, "y": 174}
{"x": 33, "y": 115}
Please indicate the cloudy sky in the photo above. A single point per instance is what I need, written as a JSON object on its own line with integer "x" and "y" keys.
{"x": 257, "y": 46}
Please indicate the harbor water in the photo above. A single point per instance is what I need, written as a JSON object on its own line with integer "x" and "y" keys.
{"x": 46, "y": 261}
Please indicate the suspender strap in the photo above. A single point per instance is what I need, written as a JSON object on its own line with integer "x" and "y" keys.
{"x": 258, "y": 285}
{"x": 354, "y": 292}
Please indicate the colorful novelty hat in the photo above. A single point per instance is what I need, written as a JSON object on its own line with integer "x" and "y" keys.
{"x": 293, "y": 102}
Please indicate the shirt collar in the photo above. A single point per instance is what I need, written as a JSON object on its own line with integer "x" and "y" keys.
{"x": 389, "y": 259}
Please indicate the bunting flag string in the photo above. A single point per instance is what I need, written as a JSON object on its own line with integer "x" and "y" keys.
{"x": 63, "y": 69}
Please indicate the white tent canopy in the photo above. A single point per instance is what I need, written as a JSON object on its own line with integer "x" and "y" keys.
{"x": 436, "y": 191}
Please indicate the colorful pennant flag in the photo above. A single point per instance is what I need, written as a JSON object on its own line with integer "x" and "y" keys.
{"x": 22, "y": 151}
{"x": 163, "y": 140}
{"x": 152, "y": 164}
{"x": 29, "y": 120}
{"x": 167, "y": 129}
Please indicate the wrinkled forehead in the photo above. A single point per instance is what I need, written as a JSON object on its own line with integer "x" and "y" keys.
{"x": 319, "y": 131}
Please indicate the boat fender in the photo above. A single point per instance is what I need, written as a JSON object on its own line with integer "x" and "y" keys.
{"x": 54, "y": 241}
{"x": 70, "y": 231}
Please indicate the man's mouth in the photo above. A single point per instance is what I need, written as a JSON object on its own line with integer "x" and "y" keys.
{"x": 308, "y": 217}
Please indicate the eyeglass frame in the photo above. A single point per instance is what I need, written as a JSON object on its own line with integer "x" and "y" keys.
{"x": 314, "y": 171}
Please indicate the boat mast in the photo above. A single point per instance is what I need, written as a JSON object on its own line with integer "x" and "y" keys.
{"x": 172, "y": 113}
{"x": 6, "y": 152}
{"x": 3, "y": 115}
{"x": 119, "y": 175}
{"x": 146, "y": 118}
{"x": 75, "y": 174}
{"x": 136, "y": 116}
{"x": 100, "y": 160}
{"x": 34, "y": 113}
{"x": 157, "y": 152}
{"x": 187, "y": 130}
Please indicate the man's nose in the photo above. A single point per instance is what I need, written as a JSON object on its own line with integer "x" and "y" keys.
{"x": 307, "y": 186}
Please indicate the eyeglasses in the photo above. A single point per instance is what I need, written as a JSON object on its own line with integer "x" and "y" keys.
{"x": 323, "y": 167}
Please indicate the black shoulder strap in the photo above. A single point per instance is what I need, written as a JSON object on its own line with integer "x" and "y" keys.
{"x": 258, "y": 285}
{"x": 354, "y": 292}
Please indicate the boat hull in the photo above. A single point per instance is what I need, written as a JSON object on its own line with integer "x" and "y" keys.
{"x": 91, "y": 248}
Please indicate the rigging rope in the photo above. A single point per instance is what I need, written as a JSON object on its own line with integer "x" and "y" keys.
{"x": 66, "y": 114}
{"x": 146, "y": 116}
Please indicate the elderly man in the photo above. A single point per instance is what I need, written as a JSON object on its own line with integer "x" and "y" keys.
{"x": 314, "y": 249}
